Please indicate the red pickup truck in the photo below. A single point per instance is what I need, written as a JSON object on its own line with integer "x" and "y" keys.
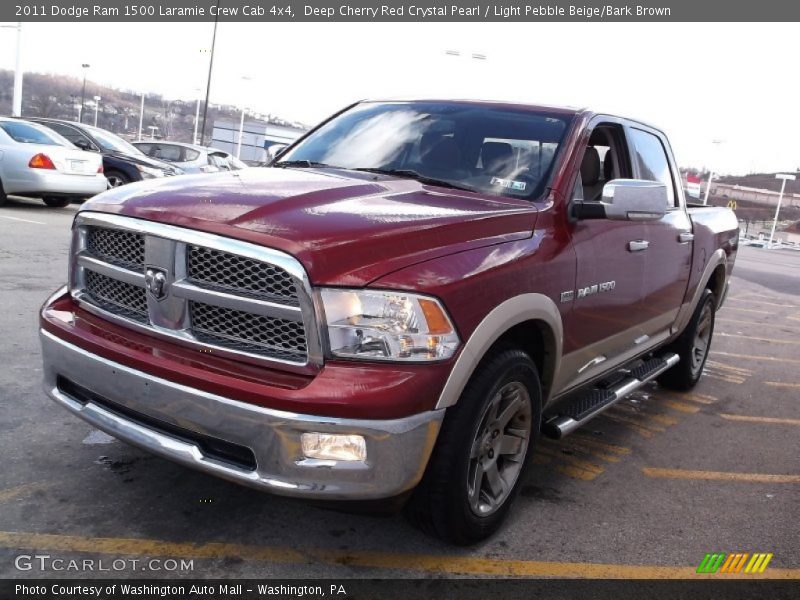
{"x": 397, "y": 308}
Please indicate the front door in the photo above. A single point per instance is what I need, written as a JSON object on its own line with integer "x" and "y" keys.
{"x": 607, "y": 321}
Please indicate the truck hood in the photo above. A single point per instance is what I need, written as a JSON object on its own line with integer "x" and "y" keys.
{"x": 346, "y": 228}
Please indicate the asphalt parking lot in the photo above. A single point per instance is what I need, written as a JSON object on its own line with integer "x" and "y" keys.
{"x": 645, "y": 491}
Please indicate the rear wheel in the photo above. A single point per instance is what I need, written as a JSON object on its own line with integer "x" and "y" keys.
{"x": 481, "y": 455}
{"x": 117, "y": 178}
{"x": 692, "y": 346}
{"x": 56, "y": 201}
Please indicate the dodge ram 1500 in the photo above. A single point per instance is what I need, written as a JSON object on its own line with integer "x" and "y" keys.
{"x": 397, "y": 308}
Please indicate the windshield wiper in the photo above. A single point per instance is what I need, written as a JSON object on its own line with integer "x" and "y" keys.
{"x": 411, "y": 174}
{"x": 298, "y": 164}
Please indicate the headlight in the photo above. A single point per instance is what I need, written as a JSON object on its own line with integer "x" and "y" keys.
{"x": 149, "y": 172}
{"x": 383, "y": 325}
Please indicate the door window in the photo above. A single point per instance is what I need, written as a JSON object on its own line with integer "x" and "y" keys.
{"x": 651, "y": 158}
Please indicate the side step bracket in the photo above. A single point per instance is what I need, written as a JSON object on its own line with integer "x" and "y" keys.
{"x": 597, "y": 399}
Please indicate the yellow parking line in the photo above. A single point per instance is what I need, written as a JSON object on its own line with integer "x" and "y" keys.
{"x": 750, "y": 419}
{"x": 758, "y": 339}
{"x": 577, "y": 447}
{"x": 431, "y": 563}
{"x": 751, "y": 310}
{"x": 601, "y": 445}
{"x": 720, "y": 475}
{"x": 793, "y": 361}
{"x": 727, "y": 379}
{"x": 646, "y": 417}
{"x": 699, "y": 398}
{"x": 783, "y": 327}
{"x": 680, "y": 406}
{"x": 780, "y": 384}
{"x": 750, "y": 301}
{"x": 723, "y": 366}
{"x": 11, "y": 493}
{"x": 646, "y": 431}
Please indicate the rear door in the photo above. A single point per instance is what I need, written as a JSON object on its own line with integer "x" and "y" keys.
{"x": 668, "y": 257}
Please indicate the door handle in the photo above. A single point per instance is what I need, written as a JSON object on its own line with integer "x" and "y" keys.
{"x": 638, "y": 245}
{"x": 685, "y": 237}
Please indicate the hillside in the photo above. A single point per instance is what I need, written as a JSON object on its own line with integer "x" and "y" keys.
{"x": 764, "y": 181}
{"x": 59, "y": 96}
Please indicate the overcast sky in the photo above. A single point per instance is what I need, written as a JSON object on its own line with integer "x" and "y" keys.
{"x": 699, "y": 82}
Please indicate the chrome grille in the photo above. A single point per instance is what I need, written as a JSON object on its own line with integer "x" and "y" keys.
{"x": 235, "y": 298}
{"x": 122, "y": 248}
{"x": 225, "y": 271}
{"x": 117, "y": 296}
{"x": 247, "y": 331}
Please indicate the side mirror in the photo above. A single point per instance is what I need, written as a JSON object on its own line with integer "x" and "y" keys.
{"x": 274, "y": 152}
{"x": 83, "y": 144}
{"x": 626, "y": 200}
{"x": 634, "y": 200}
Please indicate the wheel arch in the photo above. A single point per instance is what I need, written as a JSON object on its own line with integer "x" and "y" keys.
{"x": 531, "y": 322}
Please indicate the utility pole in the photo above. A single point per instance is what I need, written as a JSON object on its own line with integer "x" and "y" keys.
{"x": 196, "y": 117}
{"x": 141, "y": 117}
{"x": 208, "y": 81}
{"x": 84, "y": 66}
{"x": 783, "y": 177}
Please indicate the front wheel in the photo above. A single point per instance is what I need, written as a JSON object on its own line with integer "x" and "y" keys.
{"x": 3, "y": 196}
{"x": 116, "y": 178}
{"x": 692, "y": 346}
{"x": 56, "y": 201}
{"x": 481, "y": 455}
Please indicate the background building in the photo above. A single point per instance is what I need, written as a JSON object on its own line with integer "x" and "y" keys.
{"x": 256, "y": 137}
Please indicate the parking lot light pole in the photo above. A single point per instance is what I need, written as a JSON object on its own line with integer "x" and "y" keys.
{"x": 196, "y": 117}
{"x": 16, "y": 106}
{"x": 84, "y": 66}
{"x": 96, "y": 108}
{"x": 710, "y": 175}
{"x": 783, "y": 177}
{"x": 141, "y": 117}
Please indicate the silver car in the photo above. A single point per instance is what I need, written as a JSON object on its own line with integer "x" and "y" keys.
{"x": 191, "y": 158}
{"x": 39, "y": 163}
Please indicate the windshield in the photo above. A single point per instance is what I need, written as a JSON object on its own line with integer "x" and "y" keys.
{"x": 109, "y": 141}
{"x": 501, "y": 151}
{"x": 27, "y": 133}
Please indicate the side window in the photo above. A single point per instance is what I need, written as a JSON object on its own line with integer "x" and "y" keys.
{"x": 168, "y": 152}
{"x": 605, "y": 158}
{"x": 652, "y": 161}
{"x": 191, "y": 155}
{"x": 71, "y": 134}
{"x": 146, "y": 148}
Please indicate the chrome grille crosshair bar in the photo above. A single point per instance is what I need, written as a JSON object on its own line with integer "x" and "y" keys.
{"x": 218, "y": 294}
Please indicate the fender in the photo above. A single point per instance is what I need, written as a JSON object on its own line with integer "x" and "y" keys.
{"x": 516, "y": 310}
{"x": 717, "y": 258}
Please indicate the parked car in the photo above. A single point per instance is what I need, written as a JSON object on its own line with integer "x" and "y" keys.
{"x": 37, "y": 162}
{"x": 191, "y": 158}
{"x": 397, "y": 308}
{"x": 122, "y": 162}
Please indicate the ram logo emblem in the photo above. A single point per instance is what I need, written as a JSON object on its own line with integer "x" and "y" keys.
{"x": 155, "y": 280}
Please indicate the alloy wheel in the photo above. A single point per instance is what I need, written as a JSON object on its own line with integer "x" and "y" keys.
{"x": 499, "y": 448}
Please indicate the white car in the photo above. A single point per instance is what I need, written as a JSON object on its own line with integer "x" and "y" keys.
{"x": 191, "y": 158}
{"x": 37, "y": 162}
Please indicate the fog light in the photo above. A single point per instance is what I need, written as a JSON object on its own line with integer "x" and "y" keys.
{"x": 328, "y": 446}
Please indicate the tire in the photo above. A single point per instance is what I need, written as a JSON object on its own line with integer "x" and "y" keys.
{"x": 478, "y": 433}
{"x": 3, "y": 196}
{"x": 117, "y": 178}
{"x": 56, "y": 201}
{"x": 692, "y": 346}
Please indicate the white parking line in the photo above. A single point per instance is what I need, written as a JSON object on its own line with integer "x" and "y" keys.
{"x": 23, "y": 220}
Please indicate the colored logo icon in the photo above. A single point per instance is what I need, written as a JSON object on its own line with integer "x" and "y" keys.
{"x": 742, "y": 562}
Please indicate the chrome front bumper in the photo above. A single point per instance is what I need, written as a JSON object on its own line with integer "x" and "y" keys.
{"x": 397, "y": 449}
